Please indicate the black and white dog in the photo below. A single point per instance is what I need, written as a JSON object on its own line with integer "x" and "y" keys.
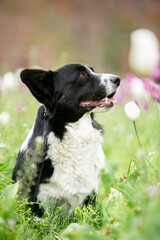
{"x": 72, "y": 156}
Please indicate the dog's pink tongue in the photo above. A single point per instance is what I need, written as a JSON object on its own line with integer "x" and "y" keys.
{"x": 101, "y": 103}
{"x": 113, "y": 100}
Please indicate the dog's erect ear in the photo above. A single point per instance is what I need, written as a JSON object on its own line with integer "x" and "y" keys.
{"x": 40, "y": 83}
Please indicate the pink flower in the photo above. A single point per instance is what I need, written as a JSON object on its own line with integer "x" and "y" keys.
{"x": 20, "y": 107}
{"x": 157, "y": 93}
{"x": 156, "y": 73}
{"x": 145, "y": 105}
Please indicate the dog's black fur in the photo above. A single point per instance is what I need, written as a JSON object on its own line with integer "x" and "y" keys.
{"x": 60, "y": 93}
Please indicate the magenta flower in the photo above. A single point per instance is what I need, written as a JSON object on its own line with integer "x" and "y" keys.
{"x": 152, "y": 88}
{"x": 145, "y": 105}
{"x": 156, "y": 73}
{"x": 157, "y": 92}
{"x": 20, "y": 107}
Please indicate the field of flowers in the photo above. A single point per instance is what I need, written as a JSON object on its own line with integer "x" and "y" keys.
{"x": 128, "y": 203}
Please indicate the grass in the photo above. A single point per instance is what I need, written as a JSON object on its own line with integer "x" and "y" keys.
{"x": 128, "y": 204}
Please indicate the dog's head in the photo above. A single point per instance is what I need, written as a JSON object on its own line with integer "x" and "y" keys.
{"x": 72, "y": 90}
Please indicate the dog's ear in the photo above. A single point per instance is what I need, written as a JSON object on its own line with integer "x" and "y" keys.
{"x": 40, "y": 83}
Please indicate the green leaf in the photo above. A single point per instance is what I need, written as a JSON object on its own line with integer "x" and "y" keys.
{"x": 133, "y": 176}
{"x": 128, "y": 191}
{"x": 2, "y": 167}
{"x": 10, "y": 191}
{"x": 112, "y": 205}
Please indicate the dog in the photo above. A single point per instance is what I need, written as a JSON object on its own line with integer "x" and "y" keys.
{"x": 66, "y": 170}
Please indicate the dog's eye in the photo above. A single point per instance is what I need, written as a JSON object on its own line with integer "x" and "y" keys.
{"x": 82, "y": 75}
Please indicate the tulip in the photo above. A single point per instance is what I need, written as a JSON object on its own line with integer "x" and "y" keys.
{"x": 144, "y": 50}
{"x": 132, "y": 111}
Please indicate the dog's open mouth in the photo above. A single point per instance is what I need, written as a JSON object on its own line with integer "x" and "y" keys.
{"x": 103, "y": 103}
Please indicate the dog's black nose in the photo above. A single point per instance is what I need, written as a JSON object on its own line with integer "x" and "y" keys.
{"x": 115, "y": 79}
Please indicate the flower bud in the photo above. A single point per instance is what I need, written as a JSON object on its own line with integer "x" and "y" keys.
{"x": 132, "y": 110}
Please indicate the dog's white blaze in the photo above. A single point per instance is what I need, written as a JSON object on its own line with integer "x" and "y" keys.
{"x": 77, "y": 161}
{"x": 105, "y": 79}
{"x": 24, "y": 146}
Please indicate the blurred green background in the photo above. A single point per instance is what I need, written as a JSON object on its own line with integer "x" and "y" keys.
{"x": 50, "y": 33}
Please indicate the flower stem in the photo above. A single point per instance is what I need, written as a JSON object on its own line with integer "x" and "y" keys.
{"x": 143, "y": 160}
{"x": 134, "y": 123}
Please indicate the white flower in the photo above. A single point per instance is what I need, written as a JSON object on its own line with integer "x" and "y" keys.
{"x": 132, "y": 110}
{"x": 151, "y": 153}
{"x": 144, "y": 50}
{"x": 3, "y": 145}
{"x": 4, "y": 117}
{"x": 10, "y": 82}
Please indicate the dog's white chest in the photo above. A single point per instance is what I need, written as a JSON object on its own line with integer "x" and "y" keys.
{"x": 77, "y": 161}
